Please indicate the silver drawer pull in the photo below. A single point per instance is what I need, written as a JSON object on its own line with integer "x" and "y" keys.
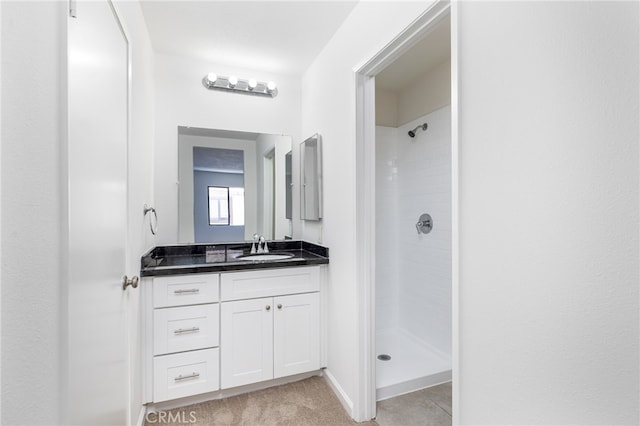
{"x": 187, "y": 291}
{"x": 187, "y": 330}
{"x": 193, "y": 375}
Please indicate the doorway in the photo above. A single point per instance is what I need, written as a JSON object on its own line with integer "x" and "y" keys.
{"x": 406, "y": 144}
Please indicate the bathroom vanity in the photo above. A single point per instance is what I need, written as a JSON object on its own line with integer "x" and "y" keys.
{"x": 219, "y": 321}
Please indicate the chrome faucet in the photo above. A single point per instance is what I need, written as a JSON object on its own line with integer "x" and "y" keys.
{"x": 259, "y": 244}
{"x": 254, "y": 244}
{"x": 263, "y": 247}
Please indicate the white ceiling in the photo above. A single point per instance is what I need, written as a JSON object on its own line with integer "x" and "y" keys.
{"x": 428, "y": 53}
{"x": 275, "y": 36}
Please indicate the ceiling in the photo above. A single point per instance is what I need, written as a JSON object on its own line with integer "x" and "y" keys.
{"x": 431, "y": 51}
{"x": 273, "y": 36}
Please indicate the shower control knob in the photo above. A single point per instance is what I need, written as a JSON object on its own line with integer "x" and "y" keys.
{"x": 424, "y": 224}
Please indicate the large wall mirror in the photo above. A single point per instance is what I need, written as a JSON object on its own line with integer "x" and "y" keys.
{"x": 311, "y": 176}
{"x": 232, "y": 184}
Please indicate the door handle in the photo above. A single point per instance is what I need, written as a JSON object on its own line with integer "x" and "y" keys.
{"x": 133, "y": 282}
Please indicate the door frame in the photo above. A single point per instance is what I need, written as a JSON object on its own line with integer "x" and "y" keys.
{"x": 365, "y": 403}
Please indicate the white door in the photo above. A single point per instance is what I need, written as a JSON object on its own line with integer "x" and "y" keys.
{"x": 246, "y": 342}
{"x": 97, "y": 184}
{"x": 296, "y": 334}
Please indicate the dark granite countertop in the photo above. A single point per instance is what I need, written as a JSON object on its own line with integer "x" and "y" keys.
{"x": 200, "y": 258}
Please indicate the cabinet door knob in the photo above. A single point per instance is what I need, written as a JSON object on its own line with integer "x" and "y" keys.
{"x": 268, "y": 308}
{"x": 279, "y": 305}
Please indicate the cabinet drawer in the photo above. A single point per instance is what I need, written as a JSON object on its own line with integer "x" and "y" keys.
{"x": 269, "y": 282}
{"x": 185, "y": 328}
{"x": 177, "y": 290}
{"x": 185, "y": 374}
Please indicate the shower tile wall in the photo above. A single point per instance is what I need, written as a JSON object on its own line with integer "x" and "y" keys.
{"x": 386, "y": 219}
{"x": 414, "y": 177}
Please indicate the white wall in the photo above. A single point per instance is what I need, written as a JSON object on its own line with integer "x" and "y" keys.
{"x": 140, "y": 179}
{"x": 182, "y": 100}
{"x": 425, "y": 94}
{"x": 328, "y": 107}
{"x": 33, "y": 140}
{"x": 420, "y": 96}
{"x": 386, "y": 108}
{"x": 421, "y": 172}
{"x": 0, "y": 223}
{"x": 548, "y": 201}
{"x": 33, "y": 40}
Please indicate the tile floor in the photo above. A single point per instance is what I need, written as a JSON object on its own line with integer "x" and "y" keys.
{"x": 426, "y": 407}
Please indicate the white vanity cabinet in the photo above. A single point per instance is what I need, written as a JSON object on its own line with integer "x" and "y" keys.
{"x": 270, "y": 324}
{"x": 184, "y": 335}
{"x": 214, "y": 331}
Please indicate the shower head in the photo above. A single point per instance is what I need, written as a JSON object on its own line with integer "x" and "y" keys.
{"x": 412, "y": 133}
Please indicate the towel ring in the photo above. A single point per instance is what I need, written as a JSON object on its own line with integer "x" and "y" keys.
{"x": 153, "y": 227}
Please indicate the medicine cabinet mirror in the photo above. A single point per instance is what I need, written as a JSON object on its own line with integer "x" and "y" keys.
{"x": 231, "y": 185}
{"x": 288, "y": 184}
{"x": 311, "y": 178}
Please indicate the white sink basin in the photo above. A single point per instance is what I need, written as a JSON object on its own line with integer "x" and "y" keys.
{"x": 266, "y": 256}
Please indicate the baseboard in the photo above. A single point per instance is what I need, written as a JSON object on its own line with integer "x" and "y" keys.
{"x": 340, "y": 393}
{"x": 141, "y": 416}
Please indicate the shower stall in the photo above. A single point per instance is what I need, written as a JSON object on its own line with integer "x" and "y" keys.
{"x": 413, "y": 260}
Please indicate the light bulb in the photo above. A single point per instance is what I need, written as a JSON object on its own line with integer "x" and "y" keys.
{"x": 233, "y": 80}
{"x": 252, "y": 84}
{"x": 211, "y": 77}
{"x": 271, "y": 86}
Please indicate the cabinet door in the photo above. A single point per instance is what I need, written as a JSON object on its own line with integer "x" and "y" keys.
{"x": 246, "y": 342}
{"x": 296, "y": 339}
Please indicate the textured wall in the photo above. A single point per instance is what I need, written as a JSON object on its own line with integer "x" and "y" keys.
{"x": 32, "y": 139}
{"x": 549, "y": 130}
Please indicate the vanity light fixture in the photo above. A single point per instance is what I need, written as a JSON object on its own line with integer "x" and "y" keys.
{"x": 234, "y": 84}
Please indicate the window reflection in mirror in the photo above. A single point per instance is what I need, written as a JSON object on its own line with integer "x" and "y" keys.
{"x": 250, "y": 165}
{"x": 226, "y": 206}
